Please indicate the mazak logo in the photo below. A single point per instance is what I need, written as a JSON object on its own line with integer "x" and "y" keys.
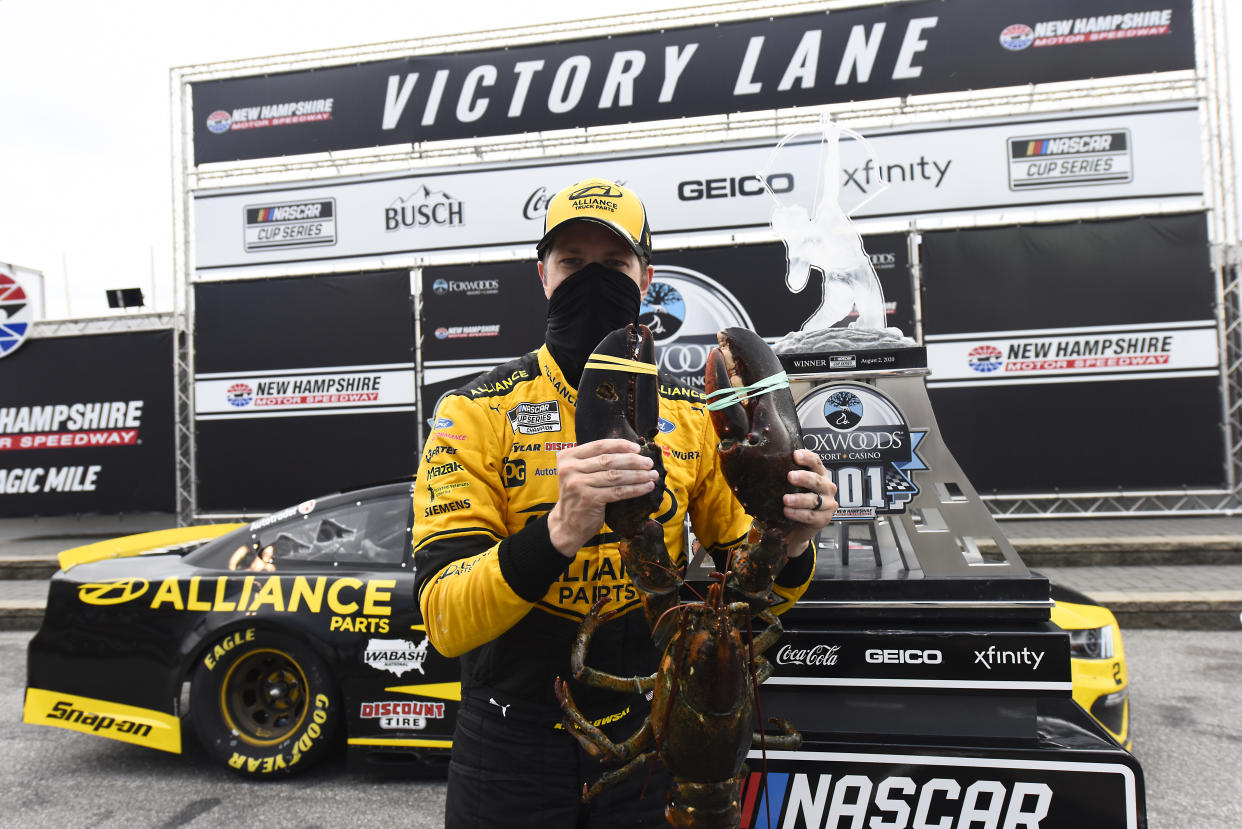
{"x": 397, "y": 656}
{"x": 112, "y": 592}
{"x": 15, "y": 314}
{"x": 820, "y": 655}
{"x": 240, "y": 395}
{"x": 985, "y": 359}
{"x": 424, "y": 208}
{"x": 297, "y": 224}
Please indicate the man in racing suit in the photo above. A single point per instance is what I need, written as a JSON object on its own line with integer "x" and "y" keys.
{"x": 511, "y": 550}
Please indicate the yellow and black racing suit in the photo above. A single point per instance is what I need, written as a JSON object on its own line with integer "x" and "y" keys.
{"x": 492, "y": 588}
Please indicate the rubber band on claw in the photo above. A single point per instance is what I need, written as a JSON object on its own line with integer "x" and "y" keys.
{"x": 736, "y": 394}
{"x": 607, "y": 362}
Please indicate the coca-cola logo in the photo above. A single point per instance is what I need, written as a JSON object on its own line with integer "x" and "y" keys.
{"x": 816, "y": 655}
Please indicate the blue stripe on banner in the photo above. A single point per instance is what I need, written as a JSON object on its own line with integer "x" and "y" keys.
{"x": 773, "y": 789}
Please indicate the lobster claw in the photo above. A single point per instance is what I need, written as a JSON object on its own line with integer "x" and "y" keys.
{"x": 758, "y": 435}
{"x": 618, "y": 397}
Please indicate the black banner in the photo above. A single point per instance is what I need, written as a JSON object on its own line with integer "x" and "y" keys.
{"x": 855, "y": 54}
{"x": 303, "y": 386}
{"x": 86, "y": 425}
{"x": 1109, "y": 329}
{"x": 489, "y": 313}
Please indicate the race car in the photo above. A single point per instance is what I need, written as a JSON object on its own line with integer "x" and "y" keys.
{"x": 300, "y": 629}
{"x": 1097, "y": 660}
{"x": 289, "y": 631}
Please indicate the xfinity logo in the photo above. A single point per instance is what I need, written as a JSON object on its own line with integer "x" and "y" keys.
{"x": 992, "y": 656}
{"x": 869, "y": 174}
{"x": 896, "y": 656}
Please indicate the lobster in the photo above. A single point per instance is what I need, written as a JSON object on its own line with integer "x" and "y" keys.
{"x": 703, "y": 693}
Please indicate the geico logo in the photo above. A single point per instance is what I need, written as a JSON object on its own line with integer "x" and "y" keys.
{"x": 431, "y": 710}
{"x": 279, "y": 593}
{"x": 861, "y": 441}
{"x": 939, "y": 802}
{"x": 725, "y": 188}
{"x": 225, "y": 645}
{"x": 906, "y": 657}
{"x": 65, "y": 711}
{"x": 112, "y": 592}
{"x": 688, "y": 358}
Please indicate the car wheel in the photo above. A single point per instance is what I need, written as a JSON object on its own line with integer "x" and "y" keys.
{"x": 263, "y": 703}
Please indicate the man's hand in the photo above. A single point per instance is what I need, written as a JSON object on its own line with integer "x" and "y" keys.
{"x": 591, "y": 476}
{"x": 812, "y": 510}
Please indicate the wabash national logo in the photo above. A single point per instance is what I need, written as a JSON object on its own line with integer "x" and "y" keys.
{"x": 15, "y": 314}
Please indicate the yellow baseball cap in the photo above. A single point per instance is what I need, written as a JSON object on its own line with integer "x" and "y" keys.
{"x": 604, "y": 202}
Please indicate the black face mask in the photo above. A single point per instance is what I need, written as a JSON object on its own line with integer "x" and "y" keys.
{"x": 583, "y": 310}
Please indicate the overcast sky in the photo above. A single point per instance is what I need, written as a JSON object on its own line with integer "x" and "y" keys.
{"x": 85, "y": 130}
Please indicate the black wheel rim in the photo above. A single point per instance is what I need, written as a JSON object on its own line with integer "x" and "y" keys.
{"x": 263, "y": 698}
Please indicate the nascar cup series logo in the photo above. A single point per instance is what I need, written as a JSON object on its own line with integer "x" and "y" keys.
{"x": 684, "y": 309}
{"x": 866, "y": 445}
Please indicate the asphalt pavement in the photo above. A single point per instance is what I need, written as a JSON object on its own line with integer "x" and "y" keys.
{"x": 1152, "y": 572}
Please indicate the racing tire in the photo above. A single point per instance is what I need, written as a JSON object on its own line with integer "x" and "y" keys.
{"x": 263, "y": 703}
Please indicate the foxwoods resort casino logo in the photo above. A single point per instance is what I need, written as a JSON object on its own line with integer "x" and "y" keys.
{"x": 866, "y": 446}
{"x": 684, "y": 309}
{"x": 985, "y": 359}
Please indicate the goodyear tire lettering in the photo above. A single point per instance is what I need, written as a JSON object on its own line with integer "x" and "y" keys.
{"x": 291, "y": 732}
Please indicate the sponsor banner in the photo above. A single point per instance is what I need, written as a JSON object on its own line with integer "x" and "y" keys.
{"x": 1150, "y": 352}
{"x": 398, "y": 656}
{"x": 336, "y": 390}
{"x": 852, "y": 54}
{"x": 103, "y": 718}
{"x": 283, "y": 369}
{"x": 808, "y": 789}
{"x": 998, "y": 661}
{"x": 936, "y": 170}
{"x": 694, "y": 293}
{"x": 78, "y": 435}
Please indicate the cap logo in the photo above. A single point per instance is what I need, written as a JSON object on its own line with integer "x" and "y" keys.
{"x": 602, "y": 190}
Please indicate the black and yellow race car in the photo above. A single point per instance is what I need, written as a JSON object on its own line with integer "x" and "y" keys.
{"x": 290, "y": 631}
{"x": 300, "y": 630}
